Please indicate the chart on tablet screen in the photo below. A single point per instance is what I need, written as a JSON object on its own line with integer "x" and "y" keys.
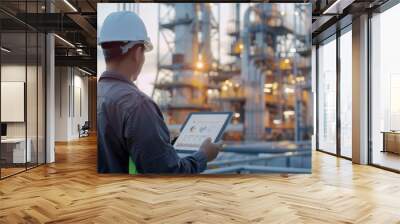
{"x": 198, "y": 128}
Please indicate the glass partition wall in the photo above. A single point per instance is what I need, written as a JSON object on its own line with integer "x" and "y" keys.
{"x": 22, "y": 88}
{"x": 334, "y": 94}
{"x": 13, "y": 109}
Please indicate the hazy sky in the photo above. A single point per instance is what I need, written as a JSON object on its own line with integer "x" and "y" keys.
{"x": 149, "y": 14}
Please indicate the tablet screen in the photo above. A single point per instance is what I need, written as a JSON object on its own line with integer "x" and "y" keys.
{"x": 200, "y": 126}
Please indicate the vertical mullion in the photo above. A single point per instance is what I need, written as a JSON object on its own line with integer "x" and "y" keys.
{"x": 0, "y": 95}
{"x": 369, "y": 90}
{"x": 26, "y": 85}
{"x": 37, "y": 88}
{"x": 69, "y": 91}
{"x": 45, "y": 87}
{"x": 60, "y": 88}
{"x": 338, "y": 98}
{"x": 73, "y": 93}
{"x": 317, "y": 97}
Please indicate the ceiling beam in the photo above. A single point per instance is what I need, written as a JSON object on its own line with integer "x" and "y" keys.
{"x": 78, "y": 61}
{"x": 337, "y": 7}
{"x": 86, "y": 26}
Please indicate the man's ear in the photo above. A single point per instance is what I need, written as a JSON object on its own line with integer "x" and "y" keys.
{"x": 138, "y": 51}
{"x": 132, "y": 54}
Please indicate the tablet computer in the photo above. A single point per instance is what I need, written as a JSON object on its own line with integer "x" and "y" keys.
{"x": 199, "y": 126}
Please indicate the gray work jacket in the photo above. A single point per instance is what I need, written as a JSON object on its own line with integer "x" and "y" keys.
{"x": 129, "y": 123}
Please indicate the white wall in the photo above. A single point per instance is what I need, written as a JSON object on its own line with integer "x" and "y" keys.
{"x": 71, "y": 93}
{"x": 33, "y": 126}
{"x": 79, "y": 117}
{"x": 61, "y": 103}
{"x": 12, "y": 73}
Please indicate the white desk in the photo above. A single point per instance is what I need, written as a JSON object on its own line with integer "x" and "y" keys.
{"x": 18, "y": 149}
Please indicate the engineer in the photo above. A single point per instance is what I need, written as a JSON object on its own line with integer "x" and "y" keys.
{"x": 131, "y": 133}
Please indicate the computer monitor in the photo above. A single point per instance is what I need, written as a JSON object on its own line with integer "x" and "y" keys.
{"x": 3, "y": 129}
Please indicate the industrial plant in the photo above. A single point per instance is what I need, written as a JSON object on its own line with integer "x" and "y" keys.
{"x": 265, "y": 79}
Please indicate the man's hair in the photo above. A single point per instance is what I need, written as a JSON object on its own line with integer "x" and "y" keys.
{"x": 112, "y": 50}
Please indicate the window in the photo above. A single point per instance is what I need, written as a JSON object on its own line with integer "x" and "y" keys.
{"x": 346, "y": 94}
{"x": 385, "y": 89}
{"x": 327, "y": 96}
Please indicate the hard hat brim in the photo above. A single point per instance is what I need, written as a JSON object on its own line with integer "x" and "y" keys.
{"x": 148, "y": 46}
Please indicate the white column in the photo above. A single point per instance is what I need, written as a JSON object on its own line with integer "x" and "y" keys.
{"x": 360, "y": 90}
{"x": 50, "y": 91}
{"x": 63, "y": 99}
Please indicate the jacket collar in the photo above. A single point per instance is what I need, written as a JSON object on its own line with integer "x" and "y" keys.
{"x": 115, "y": 75}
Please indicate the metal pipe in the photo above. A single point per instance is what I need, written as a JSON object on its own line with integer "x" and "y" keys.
{"x": 264, "y": 169}
{"x": 257, "y": 169}
{"x": 252, "y": 76}
{"x": 229, "y": 169}
{"x": 259, "y": 158}
{"x": 255, "y": 150}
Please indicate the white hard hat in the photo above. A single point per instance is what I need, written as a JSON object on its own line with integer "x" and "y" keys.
{"x": 124, "y": 26}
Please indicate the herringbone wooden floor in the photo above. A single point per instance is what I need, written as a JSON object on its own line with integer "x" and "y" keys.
{"x": 70, "y": 191}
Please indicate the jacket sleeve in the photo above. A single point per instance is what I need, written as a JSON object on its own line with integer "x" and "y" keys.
{"x": 148, "y": 141}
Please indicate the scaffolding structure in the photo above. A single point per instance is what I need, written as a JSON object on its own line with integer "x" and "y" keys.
{"x": 189, "y": 32}
{"x": 275, "y": 71}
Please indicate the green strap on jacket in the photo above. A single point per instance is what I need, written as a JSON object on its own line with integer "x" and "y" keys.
{"x": 132, "y": 167}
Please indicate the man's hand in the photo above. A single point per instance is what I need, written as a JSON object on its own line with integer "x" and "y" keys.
{"x": 210, "y": 149}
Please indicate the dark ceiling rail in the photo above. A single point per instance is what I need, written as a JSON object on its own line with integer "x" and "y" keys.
{"x": 15, "y": 19}
{"x": 89, "y": 62}
{"x": 49, "y": 22}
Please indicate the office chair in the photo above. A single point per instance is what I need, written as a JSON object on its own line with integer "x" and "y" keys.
{"x": 84, "y": 130}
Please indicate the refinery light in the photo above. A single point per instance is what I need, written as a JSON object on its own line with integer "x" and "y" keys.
{"x": 199, "y": 65}
{"x": 277, "y": 121}
{"x": 268, "y": 85}
{"x": 289, "y": 90}
{"x": 266, "y": 90}
{"x": 288, "y": 113}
